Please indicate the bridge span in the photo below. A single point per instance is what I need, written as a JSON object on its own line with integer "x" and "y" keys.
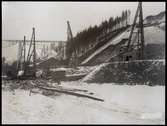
{"x": 45, "y": 41}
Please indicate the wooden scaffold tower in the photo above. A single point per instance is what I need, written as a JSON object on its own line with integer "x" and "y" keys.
{"x": 140, "y": 34}
{"x": 24, "y": 63}
{"x": 73, "y": 56}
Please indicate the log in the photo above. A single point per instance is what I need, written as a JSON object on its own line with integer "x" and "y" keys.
{"x": 71, "y": 93}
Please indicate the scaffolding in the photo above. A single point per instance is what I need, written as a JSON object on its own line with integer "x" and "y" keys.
{"x": 24, "y": 63}
{"x": 140, "y": 33}
{"x": 73, "y": 58}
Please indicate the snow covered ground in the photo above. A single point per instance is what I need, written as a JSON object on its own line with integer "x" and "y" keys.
{"x": 154, "y": 35}
{"x": 122, "y": 104}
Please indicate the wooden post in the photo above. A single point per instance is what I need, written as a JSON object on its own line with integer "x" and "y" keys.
{"x": 141, "y": 30}
{"x": 24, "y": 46}
{"x": 19, "y": 57}
{"x": 138, "y": 44}
{"x": 70, "y": 39}
{"x": 133, "y": 26}
{"x": 34, "y": 50}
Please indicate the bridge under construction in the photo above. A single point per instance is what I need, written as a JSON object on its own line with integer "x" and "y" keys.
{"x": 130, "y": 48}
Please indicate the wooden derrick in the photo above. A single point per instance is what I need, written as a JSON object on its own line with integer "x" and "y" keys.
{"x": 140, "y": 43}
{"x": 24, "y": 62}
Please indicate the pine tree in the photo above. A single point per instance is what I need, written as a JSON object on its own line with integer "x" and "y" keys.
{"x": 111, "y": 23}
{"x": 129, "y": 13}
{"x": 122, "y": 18}
{"x": 126, "y": 17}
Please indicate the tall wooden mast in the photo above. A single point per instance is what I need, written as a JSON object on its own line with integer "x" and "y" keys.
{"x": 139, "y": 14}
{"x": 69, "y": 32}
{"x": 24, "y": 45}
{"x": 31, "y": 52}
{"x": 73, "y": 57}
{"x": 34, "y": 51}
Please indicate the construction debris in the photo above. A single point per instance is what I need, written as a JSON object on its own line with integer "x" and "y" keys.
{"x": 47, "y": 89}
{"x": 71, "y": 93}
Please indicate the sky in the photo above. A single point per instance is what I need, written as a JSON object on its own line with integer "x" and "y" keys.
{"x": 50, "y": 18}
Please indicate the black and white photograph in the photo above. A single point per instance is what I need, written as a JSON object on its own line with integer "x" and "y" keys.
{"x": 83, "y": 62}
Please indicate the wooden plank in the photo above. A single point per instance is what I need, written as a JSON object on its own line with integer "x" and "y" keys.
{"x": 70, "y": 93}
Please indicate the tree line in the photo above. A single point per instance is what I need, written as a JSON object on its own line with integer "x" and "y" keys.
{"x": 90, "y": 35}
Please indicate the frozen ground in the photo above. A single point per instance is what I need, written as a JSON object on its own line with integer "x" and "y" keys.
{"x": 123, "y": 104}
{"x": 154, "y": 35}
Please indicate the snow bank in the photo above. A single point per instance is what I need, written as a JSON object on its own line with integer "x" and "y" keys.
{"x": 156, "y": 115}
{"x": 162, "y": 26}
{"x": 154, "y": 35}
{"x": 92, "y": 74}
{"x": 150, "y": 72}
{"x": 123, "y": 105}
{"x": 140, "y": 101}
